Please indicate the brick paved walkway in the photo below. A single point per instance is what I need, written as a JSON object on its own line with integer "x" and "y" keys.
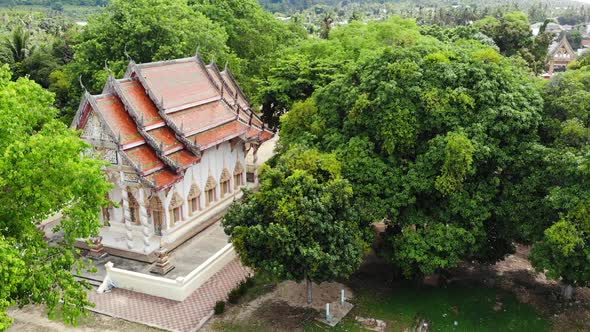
{"x": 184, "y": 316}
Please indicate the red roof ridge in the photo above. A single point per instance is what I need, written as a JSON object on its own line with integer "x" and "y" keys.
{"x": 158, "y": 148}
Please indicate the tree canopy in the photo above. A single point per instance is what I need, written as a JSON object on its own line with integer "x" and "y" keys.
{"x": 299, "y": 225}
{"x": 148, "y": 30}
{"x": 433, "y": 137}
{"x": 561, "y": 250}
{"x": 42, "y": 172}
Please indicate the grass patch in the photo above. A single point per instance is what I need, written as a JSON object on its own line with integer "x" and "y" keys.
{"x": 379, "y": 294}
{"x": 471, "y": 306}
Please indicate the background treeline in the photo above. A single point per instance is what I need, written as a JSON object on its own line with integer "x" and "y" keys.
{"x": 52, "y": 2}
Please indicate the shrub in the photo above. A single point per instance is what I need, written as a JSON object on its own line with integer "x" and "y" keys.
{"x": 219, "y": 307}
{"x": 240, "y": 290}
{"x": 234, "y": 295}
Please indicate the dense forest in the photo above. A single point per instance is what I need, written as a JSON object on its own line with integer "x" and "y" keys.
{"x": 433, "y": 121}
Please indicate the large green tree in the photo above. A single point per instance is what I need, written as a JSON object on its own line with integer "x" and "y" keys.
{"x": 148, "y": 30}
{"x": 253, "y": 34}
{"x": 299, "y": 225}
{"x": 314, "y": 63}
{"x": 43, "y": 170}
{"x": 562, "y": 249}
{"x": 512, "y": 34}
{"x": 435, "y": 137}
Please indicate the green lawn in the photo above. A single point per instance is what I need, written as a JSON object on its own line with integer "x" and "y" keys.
{"x": 379, "y": 294}
{"x": 470, "y": 306}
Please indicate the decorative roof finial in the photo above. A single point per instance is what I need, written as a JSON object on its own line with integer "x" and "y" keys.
{"x": 127, "y": 54}
{"x": 198, "y": 49}
{"x": 82, "y": 84}
{"x": 106, "y": 67}
{"x": 225, "y": 66}
{"x": 212, "y": 59}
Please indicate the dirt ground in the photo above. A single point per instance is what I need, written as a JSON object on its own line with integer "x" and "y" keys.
{"x": 34, "y": 319}
{"x": 516, "y": 274}
{"x": 282, "y": 309}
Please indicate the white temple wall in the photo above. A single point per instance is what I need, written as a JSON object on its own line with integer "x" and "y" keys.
{"x": 213, "y": 161}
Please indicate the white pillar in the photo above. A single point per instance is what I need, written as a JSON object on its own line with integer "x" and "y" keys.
{"x": 255, "y": 161}
{"x": 126, "y": 214}
{"x": 143, "y": 217}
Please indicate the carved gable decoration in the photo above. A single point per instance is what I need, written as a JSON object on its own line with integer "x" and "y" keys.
{"x": 94, "y": 129}
{"x": 176, "y": 201}
{"x": 211, "y": 184}
{"x": 194, "y": 192}
{"x": 563, "y": 51}
{"x": 225, "y": 176}
{"x": 239, "y": 169}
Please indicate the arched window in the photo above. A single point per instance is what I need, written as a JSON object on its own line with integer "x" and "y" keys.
{"x": 194, "y": 199}
{"x": 134, "y": 210}
{"x": 175, "y": 209}
{"x": 157, "y": 214}
{"x": 210, "y": 191}
{"x": 238, "y": 175}
{"x": 224, "y": 182}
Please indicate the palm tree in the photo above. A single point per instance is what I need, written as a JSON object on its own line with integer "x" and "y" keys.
{"x": 17, "y": 46}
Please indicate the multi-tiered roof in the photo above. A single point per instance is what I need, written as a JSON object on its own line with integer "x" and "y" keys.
{"x": 162, "y": 115}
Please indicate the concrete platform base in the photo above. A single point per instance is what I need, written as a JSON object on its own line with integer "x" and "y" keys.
{"x": 337, "y": 312}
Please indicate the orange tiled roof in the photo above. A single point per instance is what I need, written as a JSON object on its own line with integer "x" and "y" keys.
{"x": 164, "y": 178}
{"x": 145, "y": 158}
{"x": 140, "y": 101}
{"x": 173, "y": 109}
{"x": 179, "y": 84}
{"x": 184, "y": 158}
{"x": 164, "y": 136}
{"x": 234, "y": 89}
{"x": 202, "y": 117}
{"x": 120, "y": 122}
{"x": 218, "y": 134}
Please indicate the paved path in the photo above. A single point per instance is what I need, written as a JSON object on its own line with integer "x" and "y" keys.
{"x": 185, "y": 316}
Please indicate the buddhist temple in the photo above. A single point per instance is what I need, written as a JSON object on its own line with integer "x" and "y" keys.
{"x": 560, "y": 55}
{"x": 175, "y": 135}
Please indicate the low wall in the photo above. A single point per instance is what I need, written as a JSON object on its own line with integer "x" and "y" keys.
{"x": 174, "y": 289}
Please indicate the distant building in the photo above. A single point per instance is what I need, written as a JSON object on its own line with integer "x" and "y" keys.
{"x": 560, "y": 55}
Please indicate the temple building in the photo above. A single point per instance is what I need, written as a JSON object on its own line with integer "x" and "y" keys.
{"x": 175, "y": 135}
{"x": 560, "y": 55}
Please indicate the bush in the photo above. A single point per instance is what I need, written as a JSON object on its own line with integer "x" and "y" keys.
{"x": 233, "y": 296}
{"x": 240, "y": 290}
{"x": 219, "y": 307}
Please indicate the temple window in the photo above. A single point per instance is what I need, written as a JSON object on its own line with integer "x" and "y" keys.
{"x": 210, "y": 191}
{"x": 238, "y": 175}
{"x": 175, "y": 209}
{"x": 134, "y": 210}
{"x": 224, "y": 182}
{"x": 157, "y": 214}
{"x": 194, "y": 199}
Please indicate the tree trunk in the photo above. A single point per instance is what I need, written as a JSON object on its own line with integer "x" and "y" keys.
{"x": 308, "y": 282}
{"x": 567, "y": 291}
